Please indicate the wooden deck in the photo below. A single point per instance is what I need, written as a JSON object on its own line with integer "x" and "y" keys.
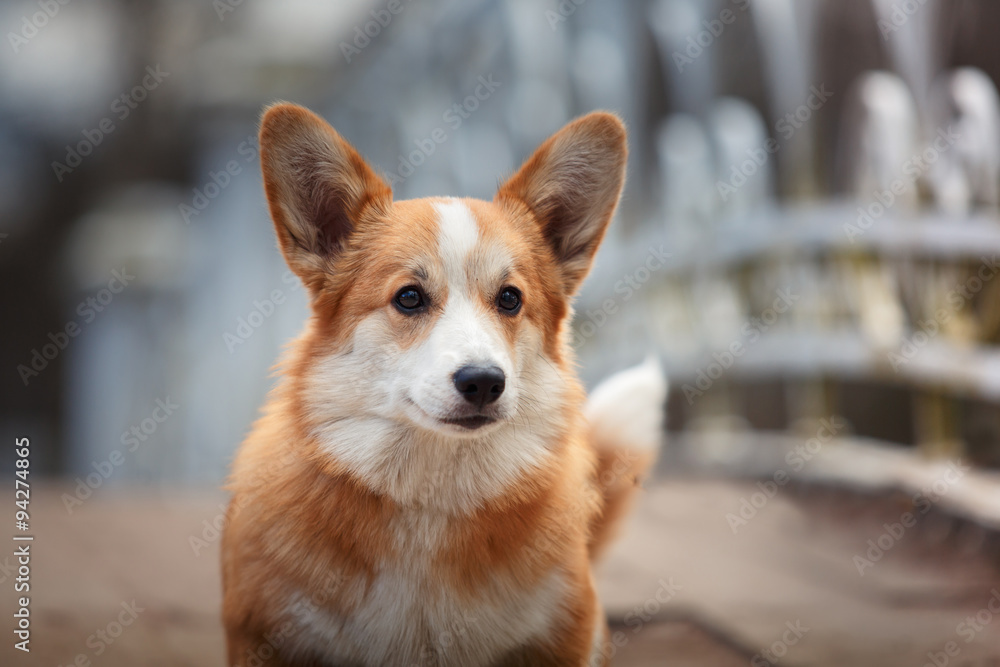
{"x": 680, "y": 587}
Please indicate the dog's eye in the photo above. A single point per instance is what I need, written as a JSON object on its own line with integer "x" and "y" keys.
{"x": 509, "y": 300}
{"x": 409, "y": 299}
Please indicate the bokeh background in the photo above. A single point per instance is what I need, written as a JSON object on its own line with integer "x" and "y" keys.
{"x": 808, "y": 242}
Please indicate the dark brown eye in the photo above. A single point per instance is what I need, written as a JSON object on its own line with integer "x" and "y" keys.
{"x": 409, "y": 300}
{"x": 509, "y": 300}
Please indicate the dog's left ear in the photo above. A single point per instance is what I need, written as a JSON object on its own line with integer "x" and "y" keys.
{"x": 572, "y": 184}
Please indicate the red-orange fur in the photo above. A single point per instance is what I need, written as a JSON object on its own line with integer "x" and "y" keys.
{"x": 298, "y": 515}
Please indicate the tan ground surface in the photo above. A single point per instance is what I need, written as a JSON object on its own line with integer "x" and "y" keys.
{"x": 733, "y": 594}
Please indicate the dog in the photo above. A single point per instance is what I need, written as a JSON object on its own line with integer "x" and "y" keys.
{"x": 428, "y": 483}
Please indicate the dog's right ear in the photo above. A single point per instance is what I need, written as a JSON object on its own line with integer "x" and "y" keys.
{"x": 317, "y": 189}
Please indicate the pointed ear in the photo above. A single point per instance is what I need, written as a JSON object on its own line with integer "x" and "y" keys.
{"x": 317, "y": 188}
{"x": 572, "y": 184}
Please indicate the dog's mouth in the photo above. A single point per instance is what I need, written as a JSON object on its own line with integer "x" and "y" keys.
{"x": 466, "y": 423}
{"x": 470, "y": 423}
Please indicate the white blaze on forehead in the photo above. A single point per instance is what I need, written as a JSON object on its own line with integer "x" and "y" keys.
{"x": 458, "y": 233}
{"x": 464, "y": 334}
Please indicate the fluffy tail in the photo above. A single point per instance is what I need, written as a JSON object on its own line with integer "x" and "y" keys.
{"x": 625, "y": 413}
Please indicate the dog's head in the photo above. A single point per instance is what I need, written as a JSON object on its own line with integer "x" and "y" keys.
{"x": 441, "y": 315}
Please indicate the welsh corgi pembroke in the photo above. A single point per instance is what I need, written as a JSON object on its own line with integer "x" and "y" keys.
{"x": 428, "y": 484}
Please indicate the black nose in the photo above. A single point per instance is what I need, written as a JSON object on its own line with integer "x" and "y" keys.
{"x": 480, "y": 385}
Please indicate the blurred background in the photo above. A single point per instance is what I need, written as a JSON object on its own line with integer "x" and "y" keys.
{"x": 808, "y": 241}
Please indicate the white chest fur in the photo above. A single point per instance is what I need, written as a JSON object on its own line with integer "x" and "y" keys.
{"x": 410, "y": 617}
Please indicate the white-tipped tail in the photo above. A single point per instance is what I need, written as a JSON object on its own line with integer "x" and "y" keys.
{"x": 625, "y": 413}
{"x": 627, "y": 408}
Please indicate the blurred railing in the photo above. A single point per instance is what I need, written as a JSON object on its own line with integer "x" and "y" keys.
{"x": 781, "y": 208}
